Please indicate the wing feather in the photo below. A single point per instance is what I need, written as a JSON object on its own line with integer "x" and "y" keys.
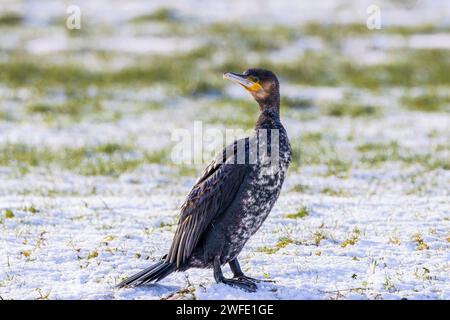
{"x": 212, "y": 194}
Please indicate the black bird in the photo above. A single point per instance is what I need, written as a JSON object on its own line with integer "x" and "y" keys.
{"x": 234, "y": 195}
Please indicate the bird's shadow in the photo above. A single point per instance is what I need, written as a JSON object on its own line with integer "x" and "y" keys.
{"x": 156, "y": 289}
{"x": 217, "y": 289}
{"x": 222, "y": 290}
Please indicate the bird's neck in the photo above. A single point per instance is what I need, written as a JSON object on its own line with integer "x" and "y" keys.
{"x": 268, "y": 118}
{"x": 270, "y": 103}
{"x": 270, "y": 108}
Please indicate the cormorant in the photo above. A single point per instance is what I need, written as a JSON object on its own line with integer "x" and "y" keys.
{"x": 232, "y": 198}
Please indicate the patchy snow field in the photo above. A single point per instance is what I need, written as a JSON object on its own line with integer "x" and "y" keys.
{"x": 89, "y": 195}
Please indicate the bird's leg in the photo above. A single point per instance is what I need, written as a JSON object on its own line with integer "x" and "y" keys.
{"x": 235, "y": 282}
{"x": 238, "y": 274}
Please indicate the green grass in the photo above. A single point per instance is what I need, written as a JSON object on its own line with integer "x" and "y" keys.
{"x": 416, "y": 29}
{"x": 409, "y": 68}
{"x": 110, "y": 148}
{"x": 235, "y": 113}
{"x": 161, "y": 14}
{"x": 68, "y": 109}
{"x": 74, "y": 108}
{"x": 4, "y": 115}
{"x": 185, "y": 170}
{"x": 295, "y": 103}
{"x": 244, "y": 38}
{"x": 376, "y": 154}
{"x": 351, "y": 109}
{"x": 106, "y": 160}
{"x": 333, "y": 33}
{"x": 352, "y": 239}
{"x": 10, "y": 19}
{"x": 9, "y": 214}
{"x": 301, "y": 188}
{"x": 406, "y": 69}
{"x": 312, "y": 68}
{"x": 312, "y": 137}
{"x": 192, "y": 73}
{"x": 179, "y": 71}
{"x": 334, "y": 192}
{"x": 303, "y": 212}
{"x": 305, "y": 153}
{"x": 419, "y": 242}
{"x": 93, "y": 254}
{"x": 282, "y": 243}
{"x": 429, "y": 161}
{"x": 31, "y": 209}
{"x": 318, "y": 236}
{"x": 338, "y": 167}
{"x": 80, "y": 104}
{"x": 314, "y": 149}
{"x": 199, "y": 72}
{"x": 308, "y": 149}
{"x": 429, "y": 101}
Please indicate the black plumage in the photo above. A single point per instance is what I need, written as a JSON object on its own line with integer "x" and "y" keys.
{"x": 232, "y": 198}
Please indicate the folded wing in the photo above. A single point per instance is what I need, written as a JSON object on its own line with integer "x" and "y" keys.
{"x": 211, "y": 196}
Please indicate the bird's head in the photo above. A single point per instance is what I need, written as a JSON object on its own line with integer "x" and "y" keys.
{"x": 262, "y": 84}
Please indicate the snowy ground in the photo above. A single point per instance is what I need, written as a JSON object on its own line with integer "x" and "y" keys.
{"x": 89, "y": 195}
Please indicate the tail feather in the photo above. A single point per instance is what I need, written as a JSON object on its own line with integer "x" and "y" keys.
{"x": 155, "y": 273}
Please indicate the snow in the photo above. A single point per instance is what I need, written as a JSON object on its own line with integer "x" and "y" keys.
{"x": 72, "y": 228}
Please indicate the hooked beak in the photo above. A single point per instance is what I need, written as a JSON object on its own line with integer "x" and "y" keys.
{"x": 243, "y": 81}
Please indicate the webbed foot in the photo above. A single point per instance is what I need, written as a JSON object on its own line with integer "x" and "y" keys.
{"x": 241, "y": 283}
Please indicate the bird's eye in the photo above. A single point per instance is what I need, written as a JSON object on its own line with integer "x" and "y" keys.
{"x": 253, "y": 79}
